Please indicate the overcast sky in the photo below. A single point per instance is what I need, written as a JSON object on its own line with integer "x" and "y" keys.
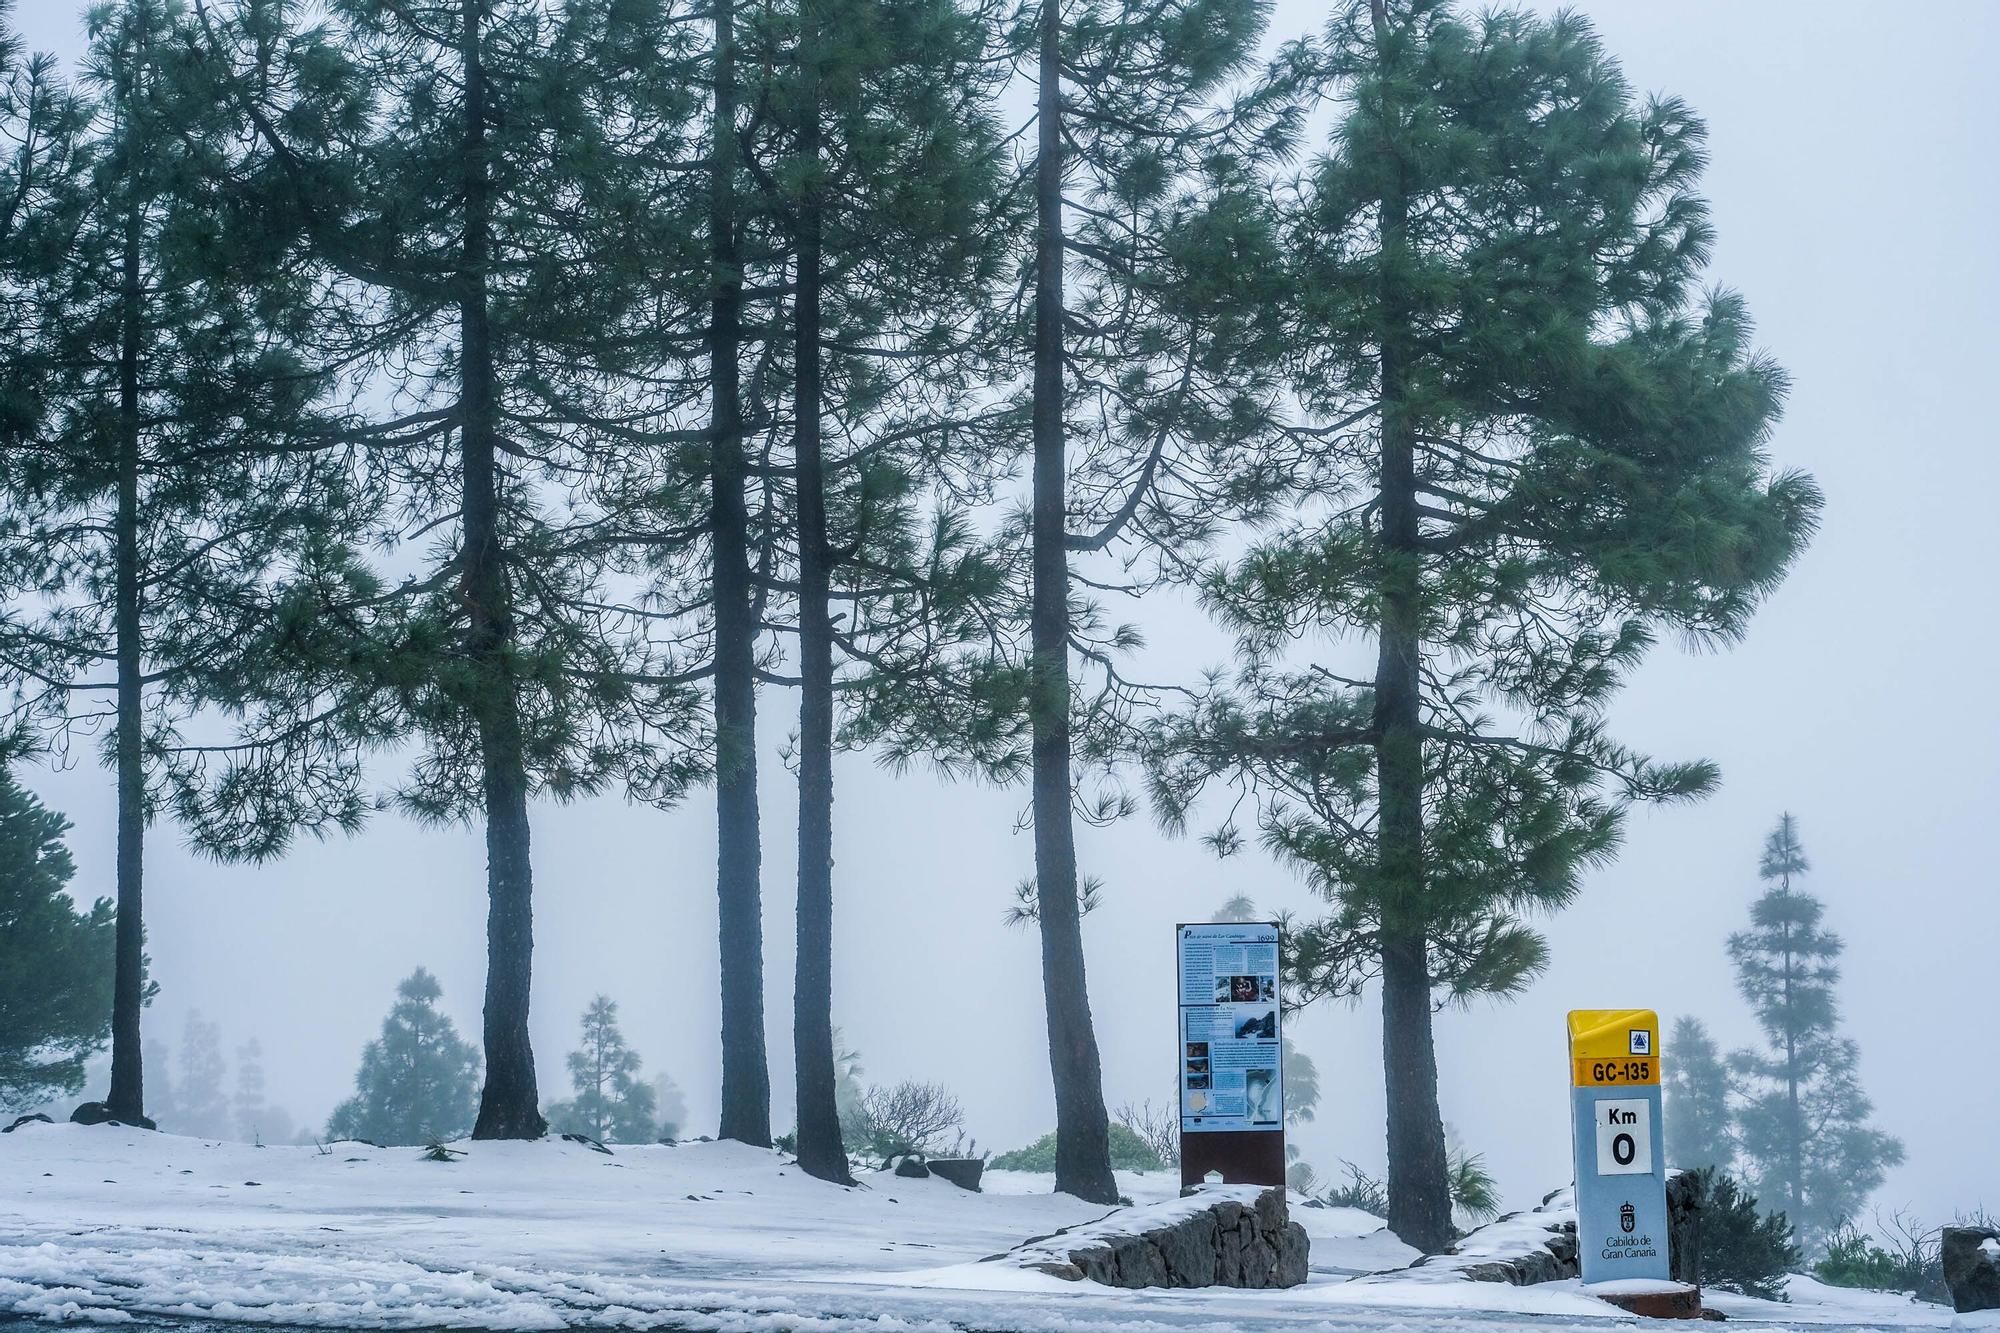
{"x": 1854, "y": 192}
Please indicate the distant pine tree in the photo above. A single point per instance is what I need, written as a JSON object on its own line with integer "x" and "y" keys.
{"x": 55, "y": 962}
{"x": 257, "y": 1121}
{"x": 1697, "y": 1089}
{"x": 1803, "y": 1127}
{"x": 611, "y": 1104}
{"x": 204, "y": 1107}
{"x": 417, "y": 1081}
{"x": 163, "y": 1099}
{"x": 671, "y": 1104}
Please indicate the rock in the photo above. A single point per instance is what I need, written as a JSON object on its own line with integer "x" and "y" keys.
{"x": 912, "y": 1168}
{"x": 1972, "y": 1268}
{"x": 1520, "y": 1249}
{"x": 1219, "y": 1236}
{"x": 32, "y": 1118}
{"x": 1523, "y": 1249}
{"x": 963, "y": 1172}
{"x": 97, "y": 1113}
{"x": 1684, "y": 1200}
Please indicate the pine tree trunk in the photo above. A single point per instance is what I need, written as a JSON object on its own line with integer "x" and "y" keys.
{"x": 1419, "y": 1179}
{"x": 1419, "y": 1190}
{"x": 508, "y": 1104}
{"x": 1794, "y": 1121}
{"x": 746, "y": 1077}
{"x": 1083, "y": 1130}
{"x": 127, "y": 1099}
{"x": 820, "y": 1150}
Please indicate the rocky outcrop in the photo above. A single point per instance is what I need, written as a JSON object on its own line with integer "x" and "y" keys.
{"x": 1972, "y": 1268}
{"x": 964, "y": 1172}
{"x": 1520, "y": 1249}
{"x": 1523, "y": 1249}
{"x": 1218, "y": 1236}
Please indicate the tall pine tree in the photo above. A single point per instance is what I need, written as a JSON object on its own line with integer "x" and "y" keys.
{"x": 888, "y": 173}
{"x": 1803, "y": 1124}
{"x": 160, "y": 497}
{"x": 504, "y": 656}
{"x": 1144, "y": 280}
{"x": 1535, "y": 442}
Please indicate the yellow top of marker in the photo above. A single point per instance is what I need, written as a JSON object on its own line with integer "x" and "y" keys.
{"x": 1614, "y": 1047}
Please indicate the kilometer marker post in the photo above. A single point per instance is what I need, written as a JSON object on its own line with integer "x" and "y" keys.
{"x": 1621, "y": 1174}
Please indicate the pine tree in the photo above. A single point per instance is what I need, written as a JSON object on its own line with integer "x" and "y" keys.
{"x": 162, "y": 1097}
{"x": 1699, "y": 1118}
{"x": 504, "y": 660}
{"x": 257, "y": 1121}
{"x": 611, "y": 1104}
{"x": 1149, "y": 261}
{"x": 746, "y": 1075}
{"x": 55, "y": 962}
{"x": 160, "y": 505}
{"x": 1535, "y": 444}
{"x": 889, "y": 166}
{"x": 671, "y": 1105}
{"x": 418, "y": 1081}
{"x": 204, "y": 1106}
{"x": 1803, "y": 1124}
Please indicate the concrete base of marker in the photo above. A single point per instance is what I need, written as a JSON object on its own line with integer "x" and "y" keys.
{"x": 1651, "y": 1300}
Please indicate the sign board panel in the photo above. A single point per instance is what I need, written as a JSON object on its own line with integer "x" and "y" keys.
{"x": 1230, "y": 1078}
{"x": 1621, "y": 1179}
{"x": 1231, "y": 1075}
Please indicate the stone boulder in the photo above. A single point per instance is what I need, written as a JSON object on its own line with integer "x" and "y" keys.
{"x": 1972, "y": 1268}
{"x": 912, "y": 1168}
{"x": 1217, "y": 1236}
{"x": 97, "y": 1113}
{"x": 32, "y": 1118}
{"x": 1520, "y": 1249}
{"x": 964, "y": 1172}
{"x": 1523, "y": 1249}
{"x": 1684, "y": 1200}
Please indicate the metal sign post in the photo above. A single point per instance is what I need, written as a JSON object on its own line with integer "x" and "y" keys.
{"x": 1621, "y": 1174}
{"x": 1232, "y": 1079}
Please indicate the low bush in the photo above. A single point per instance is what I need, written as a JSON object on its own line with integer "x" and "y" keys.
{"x": 1743, "y": 1248}
{"x": 1129, "y": 1152}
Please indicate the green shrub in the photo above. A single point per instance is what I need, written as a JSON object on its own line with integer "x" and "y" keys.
{"x": 1854, "y": 1260}
{"x": 1743, "y": 1249}
{"x": 1128, "y": 1153}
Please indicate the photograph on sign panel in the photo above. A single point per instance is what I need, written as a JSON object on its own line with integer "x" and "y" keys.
{"x": 1246, "y": 988}
{"x": 1257, "y": 1024}
{"x": 1260, "y": 1095}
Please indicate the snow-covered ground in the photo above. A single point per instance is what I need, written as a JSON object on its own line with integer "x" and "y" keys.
{"x": 107, "y": 1224}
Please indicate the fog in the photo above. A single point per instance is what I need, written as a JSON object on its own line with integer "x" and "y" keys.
{"x": 1854, "y": 197}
